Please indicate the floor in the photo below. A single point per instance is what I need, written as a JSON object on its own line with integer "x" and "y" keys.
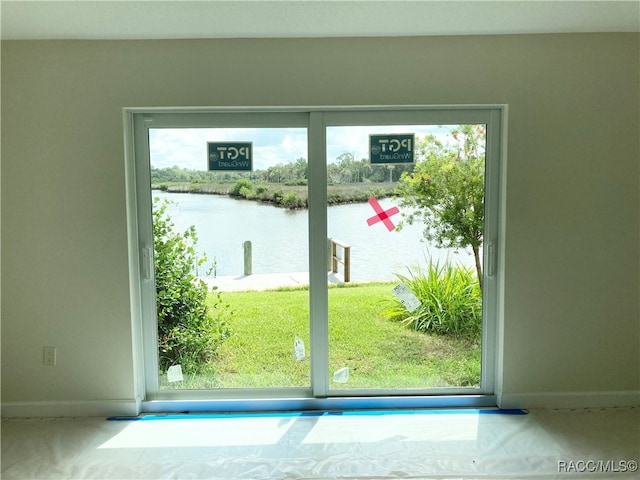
{"x": 431, "y": 444}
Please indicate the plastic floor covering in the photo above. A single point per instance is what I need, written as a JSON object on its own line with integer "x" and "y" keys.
{"x": 469, "y": 444}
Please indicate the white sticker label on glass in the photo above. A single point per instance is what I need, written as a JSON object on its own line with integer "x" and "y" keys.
{"x": 174, "y": 374}
{"x": 342, "y": 375}
{"x": 298, "y": 349}
{"x": 406, "y": 297}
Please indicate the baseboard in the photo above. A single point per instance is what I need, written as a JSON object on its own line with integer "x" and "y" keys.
{"x": 89, "y": 408}
{"x": 133, "y": 407}
{"x": 625, "y": 398}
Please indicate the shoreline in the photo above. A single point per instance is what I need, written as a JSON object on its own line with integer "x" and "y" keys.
{"x": 292, "y": 197}
{"x": 274, "y": 281}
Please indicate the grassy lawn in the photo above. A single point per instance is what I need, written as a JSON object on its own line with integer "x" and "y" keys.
{"x": 379, "y": 353}
{"x": 385, "y": 354}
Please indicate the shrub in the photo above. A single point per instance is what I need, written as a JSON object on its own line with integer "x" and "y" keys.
{"x": 292, "y": 200}
{"x": 451, "y": 301}
{"x": 246, "y": 193}
{"x": 278, "y": 195}
{"x": 189, "y": 331}
{"x": 300, "y": 182}
{"x": 243, "y": 183}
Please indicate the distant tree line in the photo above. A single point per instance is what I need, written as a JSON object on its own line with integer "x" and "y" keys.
{"x": 346, "y": 169}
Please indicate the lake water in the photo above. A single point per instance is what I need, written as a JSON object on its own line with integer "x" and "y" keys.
{"x": 280, "y": 237}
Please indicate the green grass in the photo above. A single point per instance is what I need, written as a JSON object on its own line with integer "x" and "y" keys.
{"x": 380, "y": 353}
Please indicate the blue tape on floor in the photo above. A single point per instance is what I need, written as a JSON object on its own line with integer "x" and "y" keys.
{"x": 187, "y": 416}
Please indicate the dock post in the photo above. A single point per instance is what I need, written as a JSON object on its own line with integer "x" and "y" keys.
{"x": 335, "y": 259}
{"x": 347, "y": 264}
{"x": 247, "y": 257}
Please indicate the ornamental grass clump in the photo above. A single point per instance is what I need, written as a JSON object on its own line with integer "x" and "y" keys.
{"x": 450, "y": 297}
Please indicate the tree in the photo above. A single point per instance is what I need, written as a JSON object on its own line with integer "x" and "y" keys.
{"x": 446, "y": 190}
{"x": 190, "y": 331}
{"x": 301, "y": 168}
{"x": 334, "y": 173}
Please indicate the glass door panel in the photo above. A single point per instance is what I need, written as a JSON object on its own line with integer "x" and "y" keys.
{"x": 405, "y": 220}
{"x": 230, "y": 229}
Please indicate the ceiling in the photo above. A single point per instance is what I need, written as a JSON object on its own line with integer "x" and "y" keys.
{"x": 156, "y": 19}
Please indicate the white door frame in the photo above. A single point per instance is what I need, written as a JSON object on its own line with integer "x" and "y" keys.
{"x": 319, "y": 396}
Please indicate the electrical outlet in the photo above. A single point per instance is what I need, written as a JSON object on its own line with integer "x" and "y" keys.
{"x": 49, "y": 356}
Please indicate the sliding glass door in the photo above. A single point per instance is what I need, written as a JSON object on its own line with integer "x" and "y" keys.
{"x": 240, "y": 194}
{"x": 317, "y": 254}
{"x": 391, "y": 246}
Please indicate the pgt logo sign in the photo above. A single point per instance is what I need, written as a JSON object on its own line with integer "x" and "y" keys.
{"x": 395, "y": 148}
{"x": 230, "y": 156}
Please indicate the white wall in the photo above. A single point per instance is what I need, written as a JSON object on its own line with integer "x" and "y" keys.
{"x": 571, "y": 311}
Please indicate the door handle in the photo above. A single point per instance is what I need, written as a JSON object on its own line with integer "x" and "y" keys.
{"x": 491, "y": 259}
{"x": 147, "y": 262}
